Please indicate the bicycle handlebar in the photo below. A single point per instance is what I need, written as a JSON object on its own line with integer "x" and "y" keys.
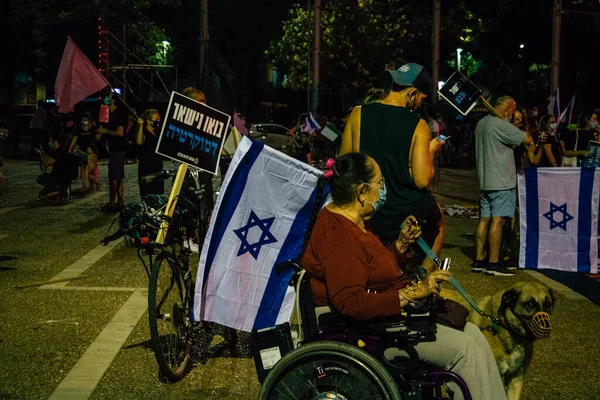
{"x": 160, "y": 176}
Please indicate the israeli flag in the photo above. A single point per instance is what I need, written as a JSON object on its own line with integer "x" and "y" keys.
{"x": 559, "y": 219}
{"x": 259, "y": 221}
{"x": 310, "y": 124}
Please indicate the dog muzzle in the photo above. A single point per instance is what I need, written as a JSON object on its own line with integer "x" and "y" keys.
{"x": 539, "y": 325}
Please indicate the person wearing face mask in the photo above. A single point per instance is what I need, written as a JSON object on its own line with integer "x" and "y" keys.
{"x": 360, "y": 279}
{"x": 81, "y": 144}
{"x": 114, "y": 130}
{"x": 389, "y": 128}
{"x": 495, "y": 139}
{"x": 575, "y": 142}
{"x": 552, "y": 154}
{"x": 149, "y": 161}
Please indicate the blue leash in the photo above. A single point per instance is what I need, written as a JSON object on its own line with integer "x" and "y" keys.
{"x": 425, "y": 247}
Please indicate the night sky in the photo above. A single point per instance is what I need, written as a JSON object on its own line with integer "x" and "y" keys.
{"x": 240, "y": 30}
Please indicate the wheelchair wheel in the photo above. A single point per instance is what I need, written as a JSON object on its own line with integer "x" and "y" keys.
{"x": 329, "y": 370}
{"x": 169, "y": 317}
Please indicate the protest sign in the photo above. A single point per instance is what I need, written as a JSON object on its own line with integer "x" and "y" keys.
{"x": 593, "y": 161}
{"x": 460, "y": 92}
{"x": 193, "y": 133}
{"x": 330, "y": 132}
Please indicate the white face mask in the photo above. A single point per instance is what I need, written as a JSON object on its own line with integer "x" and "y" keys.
{"x": 553, "y": 126}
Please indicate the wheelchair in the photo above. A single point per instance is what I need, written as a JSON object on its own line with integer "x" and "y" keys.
{"x": 337, "y": 359}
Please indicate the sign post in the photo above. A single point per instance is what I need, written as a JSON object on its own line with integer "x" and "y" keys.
{"x": 462, "y": 94}
{"x": 193, "y": 134}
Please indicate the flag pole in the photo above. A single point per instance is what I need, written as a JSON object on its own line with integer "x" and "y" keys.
{"x": 175, "y": 190}
{"x": 490, "y": 107}
{"x": 123, "y": 100}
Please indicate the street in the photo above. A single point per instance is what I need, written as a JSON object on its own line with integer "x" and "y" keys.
{"x": 89, "y": 337}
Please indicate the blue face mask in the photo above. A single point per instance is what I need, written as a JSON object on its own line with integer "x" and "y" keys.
{"x": 382, "y": 196}
{"x": 50, "y": 144}
{"x": 107, "y": 100}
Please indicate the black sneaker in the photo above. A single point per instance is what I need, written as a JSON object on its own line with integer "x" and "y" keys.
{"x": 478, "y": 266}
{"x": 498, "y": 269}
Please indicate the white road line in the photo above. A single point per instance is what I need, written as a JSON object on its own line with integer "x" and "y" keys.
{"x": 82, "y": 380}
{"x": 9, "y": 209}
{"x": 82, "y": 264}
{"x": 96, "y": 288}
{"x": 559, "y": 287}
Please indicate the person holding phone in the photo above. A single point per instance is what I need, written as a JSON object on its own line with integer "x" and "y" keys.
{"x": 434, "y": 132}
{"x": 389, "y": 128}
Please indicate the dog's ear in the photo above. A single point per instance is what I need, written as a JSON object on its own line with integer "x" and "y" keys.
{"x": 509, "y": 299}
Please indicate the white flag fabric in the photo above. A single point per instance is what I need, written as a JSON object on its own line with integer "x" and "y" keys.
{"x": 259, "y": 221}
{"x": 559, "y": 219}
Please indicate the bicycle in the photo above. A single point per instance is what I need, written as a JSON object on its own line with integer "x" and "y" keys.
{"x": 171, "y": 280}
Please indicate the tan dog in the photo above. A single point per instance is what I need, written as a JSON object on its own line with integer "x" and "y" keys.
{"x": 523, "y": 312}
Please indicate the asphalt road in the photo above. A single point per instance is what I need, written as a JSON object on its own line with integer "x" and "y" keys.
{"x": 48, "y": 334}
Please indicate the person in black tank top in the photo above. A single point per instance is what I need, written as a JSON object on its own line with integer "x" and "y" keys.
{"x": 387, "y": 129}
{"x": 149, "y": 162}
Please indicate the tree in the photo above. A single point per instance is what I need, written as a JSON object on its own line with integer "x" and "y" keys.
{"x": 359, "y": 40}
{"x": 35, "y": 19}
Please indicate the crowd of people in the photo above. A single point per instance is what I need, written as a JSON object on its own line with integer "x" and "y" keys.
{"x": 382, "y": 183}
{"x": 72, "y": 150}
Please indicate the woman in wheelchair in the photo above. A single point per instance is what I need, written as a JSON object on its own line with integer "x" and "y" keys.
{"x": 361, "y": 279}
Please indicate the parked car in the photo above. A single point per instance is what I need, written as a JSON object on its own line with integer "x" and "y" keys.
{"x": 273, "y": 135}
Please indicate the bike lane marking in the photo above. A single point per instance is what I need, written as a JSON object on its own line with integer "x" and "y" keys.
{"x": 81, "y": 265}
{"x": 82, "y": 379}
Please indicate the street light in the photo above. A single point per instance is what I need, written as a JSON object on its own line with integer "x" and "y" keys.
{"x": 165, "y": 44}
{"x": 458, "y": 51}
{"x": 522, "y": 46}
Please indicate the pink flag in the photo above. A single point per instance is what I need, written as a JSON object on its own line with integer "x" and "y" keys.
{"x": 239, "y": 124}
{"x": 77, "y": 78}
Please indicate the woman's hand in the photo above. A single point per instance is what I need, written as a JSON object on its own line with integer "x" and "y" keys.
{"x": 429, "y": 285}
{"x": 411, "y": 231}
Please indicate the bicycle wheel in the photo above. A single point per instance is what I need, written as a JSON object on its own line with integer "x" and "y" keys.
{"x": 329, "y": 370}
{"x": 169, "y": 316}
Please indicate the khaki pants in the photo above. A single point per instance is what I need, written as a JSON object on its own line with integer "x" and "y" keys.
{"x": 467, "y": 354}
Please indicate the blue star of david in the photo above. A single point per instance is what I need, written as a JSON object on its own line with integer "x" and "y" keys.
{"x": 265, "y": 238}
{"x": 561, "y": 209}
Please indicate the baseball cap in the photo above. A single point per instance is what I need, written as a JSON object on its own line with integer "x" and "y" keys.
{"x": 409, "y": 75}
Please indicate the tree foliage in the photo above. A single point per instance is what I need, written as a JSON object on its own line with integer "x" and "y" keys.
{"x": 37, "y": 19}
{"x": 359, "y": 40}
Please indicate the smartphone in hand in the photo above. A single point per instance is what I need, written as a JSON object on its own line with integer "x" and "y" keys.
{"x": 441, "y": 138}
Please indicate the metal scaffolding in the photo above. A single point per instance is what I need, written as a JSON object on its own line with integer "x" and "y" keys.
{"x": 126, "y": 70}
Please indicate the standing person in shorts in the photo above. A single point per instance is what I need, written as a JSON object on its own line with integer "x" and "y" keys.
{"x": 495, "y": 139}
{"x": 82, "y": 140}
{"x": 114, "y": 129}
